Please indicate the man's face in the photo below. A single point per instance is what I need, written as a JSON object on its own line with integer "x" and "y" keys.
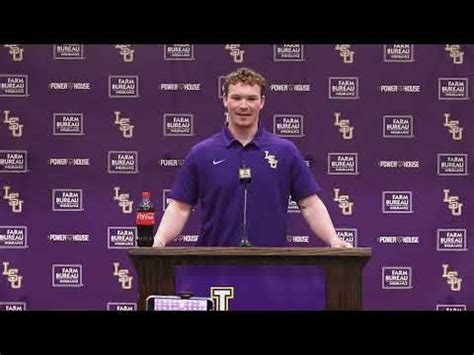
{"x": 243, "y": 102}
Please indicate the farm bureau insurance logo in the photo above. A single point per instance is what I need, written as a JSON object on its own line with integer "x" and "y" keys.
{"x": 397, "y": 202}
{"x": 121, "y": 237}
{"x": 288, "y": 125}
{"x": 396, "y": 277}
{"x": 122, "y": 162}
{"x": 13, "y": 161}
{"x": 121, "y": 306}
{"x": 123, "y": 86}
{"x": 12, "y": 306}
{"x": 67, "y": 200}
{"x": 178, "y": 124}
{"x": 451, "y": 164}
{"x": 453, "y": 89}
{"x": 344, "y": 88}
{"x": 13, "y": 237}
{"x": 288, "y": 53}
{"x": 68, "y": 124}
{"x": 14, "y": 85}
{"x": 398, "y": 53}
{"x": 66, "y": 275}
{"x": 68, "y": 51}
{"x": 398, "y": 126}
{"x": 178, "y": 52}
{"x": 453, "y": 239}
{"x": 343, "y": 164}
{"x": 348, "y": 235}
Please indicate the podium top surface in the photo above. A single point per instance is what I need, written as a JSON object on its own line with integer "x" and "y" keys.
{"x": 249, "y": 251}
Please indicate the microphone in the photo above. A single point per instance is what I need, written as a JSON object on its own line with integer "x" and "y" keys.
{"x": 245, "y": 177}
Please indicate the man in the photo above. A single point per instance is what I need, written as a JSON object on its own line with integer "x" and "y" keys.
{"x": 210, "y": 175}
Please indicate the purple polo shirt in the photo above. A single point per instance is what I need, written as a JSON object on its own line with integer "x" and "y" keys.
{"x": 210, "y": 175}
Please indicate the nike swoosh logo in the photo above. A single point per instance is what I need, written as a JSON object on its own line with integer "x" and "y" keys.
{"x": 215, "y": 162}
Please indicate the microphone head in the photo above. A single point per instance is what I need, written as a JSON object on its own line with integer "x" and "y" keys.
{"x": 245, "y": 175}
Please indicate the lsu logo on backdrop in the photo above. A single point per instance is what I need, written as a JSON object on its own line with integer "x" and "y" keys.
{"x": 220, "y": 87}
{"x": 121, "y": 306}
{"x": 453, "y": 89}
{"x": 13, "y": 237}
{"x": 122, "y": 162}
{"x": 66, "y": 275}
{"x": 344, "y": 88}
{"x": 288, "y": 125}
{"x": 67, "y": 200}
{"x": 178, "y": 124}
{"x": 123, "y": 86}
{"x": 451, "y": 307}
{"x": 451, "y": 164}
{"x": 14, "y": 85}
{"x": 68, "y": 51}
{"x": 453, "y": 239}
{"x": 221, "y": 296}
{"x": 124, "y": 125}
{"x": 397, "y": 202}
{"x": 344, "y": 202}
{"x": 292, "y": 206}
{"x": 123, "y": 200}
{"x": 345, "y": 52}
{"x": 123, "y": 278}
{"x": 288, "y": 52}
{"x": 68, "y": 124}
{"x": 453, "y": 127}
{"x": 13, "y": 161}
{"x": 398, "y": 53}
{"x": 121, "y": 237}
{"x": 396, "y": 277}
{"x": 398, "y": 126}
{"x": 235, "y": 52}
{"x": 343, "y": 164}
{"x": 15, "y": 51}
{"x": 344, "y": 125}
{"x": 166, "y": 199}
{"x": 452, "y": 278}
{"x": 178, "y": 52}
{"x": 13, "y": 123}
{"x": 13, "y": 199}
{"x": 13, "y": 275}
{"x": 453, "y": 203}
{"x": 454, "y": 51}
{"x": 12, "y": 306}
{"x": 348, "y": 235}
{"x": 126, "y": 51}
{"x": 298, "y": 239}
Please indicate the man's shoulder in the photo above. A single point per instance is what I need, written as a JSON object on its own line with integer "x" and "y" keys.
{"x": 279, "y": 142}
{"x": 211, "y": 142}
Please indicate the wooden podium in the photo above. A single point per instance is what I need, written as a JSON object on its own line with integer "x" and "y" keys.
{"x": 156, "y": 268}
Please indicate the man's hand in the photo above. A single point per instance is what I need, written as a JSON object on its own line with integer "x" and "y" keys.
{"x": 339, "y": 243}
{"x": 158, "y": 243}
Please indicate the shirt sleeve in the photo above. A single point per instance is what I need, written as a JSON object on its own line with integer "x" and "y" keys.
{"x": 186, "y": 185}
{"x": 303, "y": 184}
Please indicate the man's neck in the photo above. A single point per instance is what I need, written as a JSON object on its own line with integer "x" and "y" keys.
{"x": 243, "y": 135}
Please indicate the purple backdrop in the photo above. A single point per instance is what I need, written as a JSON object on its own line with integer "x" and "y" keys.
{"x": 85, "y": 129}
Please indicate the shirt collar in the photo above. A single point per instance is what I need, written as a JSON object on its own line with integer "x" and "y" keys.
{"x": 257, "y": 139}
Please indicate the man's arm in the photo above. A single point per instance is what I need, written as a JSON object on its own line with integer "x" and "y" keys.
{"x": 174, "y": 219}
{"x": 316, "y": 215}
